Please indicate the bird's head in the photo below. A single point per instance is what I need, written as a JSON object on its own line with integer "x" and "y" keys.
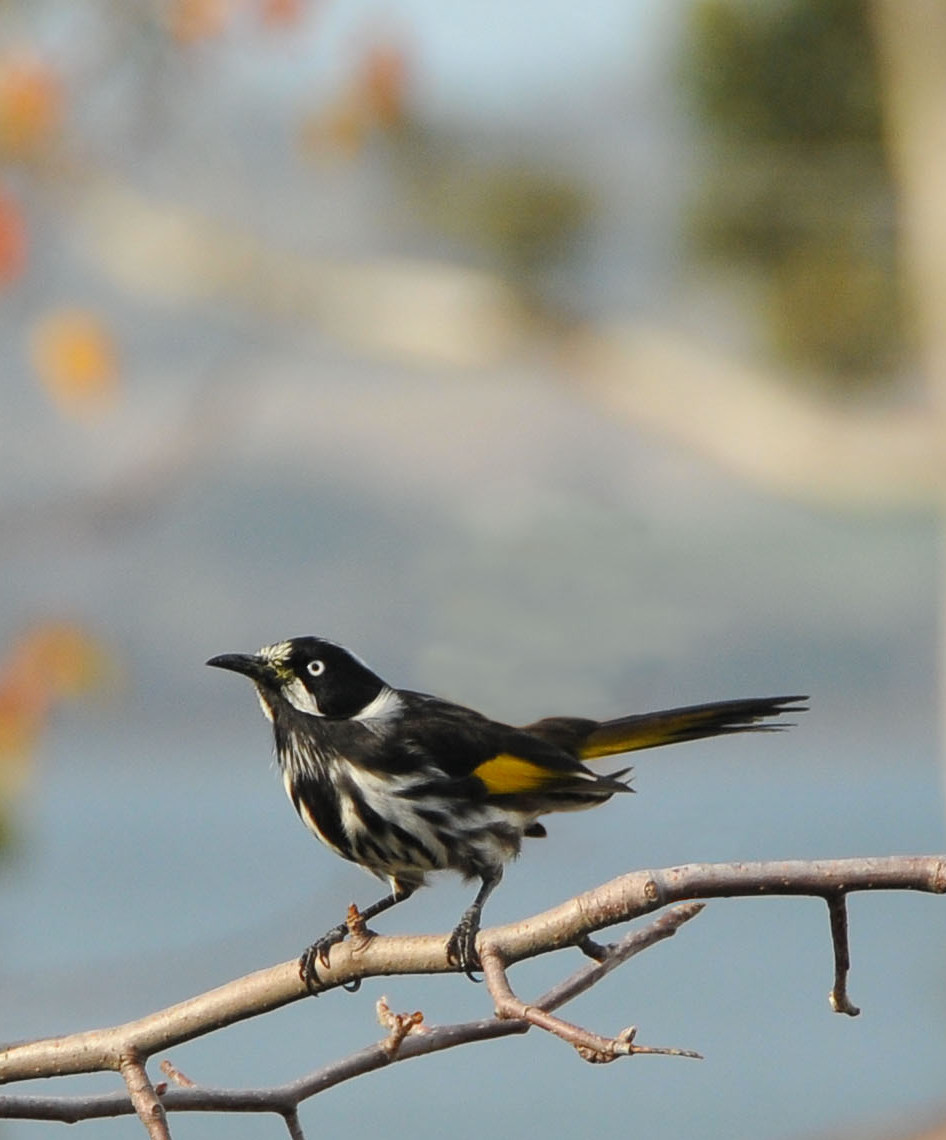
{"x": 313, "y": 676}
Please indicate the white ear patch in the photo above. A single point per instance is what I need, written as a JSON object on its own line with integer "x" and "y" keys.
{"x": 386, "y": 704}
{"x": 300, "y": 698}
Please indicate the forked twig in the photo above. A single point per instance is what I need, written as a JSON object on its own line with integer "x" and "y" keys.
{"x": 398, "y": 1025}
{"x": 609, "y": 957}
{"x": 590, "y": 1046}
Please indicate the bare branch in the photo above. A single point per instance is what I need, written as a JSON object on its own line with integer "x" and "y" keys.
{"x": 142, "y": 1095}
{"x": 609, "y": 957}
{"x": 292, "y": 1124}
{"x": 283, "y": 1099}
{"x": 125, "y": 1048}
{"x": 508, "y": 1005}
{"x": 590, "y": 1046}
{"x": 837, "y": 911}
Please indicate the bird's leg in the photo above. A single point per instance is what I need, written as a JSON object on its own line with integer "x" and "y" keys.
{"x": 461, "y": 948}
{"x": 318, "y": 951}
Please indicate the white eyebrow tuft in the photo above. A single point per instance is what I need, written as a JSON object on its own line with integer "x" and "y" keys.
{"x": 277, "y": 653}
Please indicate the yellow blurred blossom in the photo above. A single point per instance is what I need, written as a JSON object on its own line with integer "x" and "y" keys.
{"x": 76, "y": 360}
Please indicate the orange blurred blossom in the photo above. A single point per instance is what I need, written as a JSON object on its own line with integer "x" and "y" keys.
{"x": 376, "y": 99}
{"x": 192, "y": 20}
{"x": 48, "y": 663}
{"x": 76, "y": 360}
{"x": 281, "y": 13}
{"x": 31, "y": 106}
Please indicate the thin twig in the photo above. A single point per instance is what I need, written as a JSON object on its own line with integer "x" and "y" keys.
{"x": 838, "y": 997}
{"x": 291, "y": 1118}
{"x": 175, "y": 1075}
{"x": 142, "y": 1095}
{"x": 612, "y": 955}
{"x": 591, "y": 1046}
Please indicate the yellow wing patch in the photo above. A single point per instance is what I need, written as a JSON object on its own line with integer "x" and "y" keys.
{"x": 508, "y": 775}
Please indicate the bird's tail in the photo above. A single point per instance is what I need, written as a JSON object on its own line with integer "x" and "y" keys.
{"x": 672, "y": 726}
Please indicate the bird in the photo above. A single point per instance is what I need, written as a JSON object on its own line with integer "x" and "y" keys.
{"x": 404, "y": 783}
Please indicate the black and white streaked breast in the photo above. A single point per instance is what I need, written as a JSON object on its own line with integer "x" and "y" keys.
{"x": 390, "y": 822}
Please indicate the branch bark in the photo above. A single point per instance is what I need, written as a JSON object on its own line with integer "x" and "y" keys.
{"x": 143, "y": 1097}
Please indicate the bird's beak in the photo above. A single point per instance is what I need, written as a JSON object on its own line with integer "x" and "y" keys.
{"x": 245, "y": 663}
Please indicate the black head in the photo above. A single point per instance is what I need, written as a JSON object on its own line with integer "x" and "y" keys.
{"x": 312, "y": 675}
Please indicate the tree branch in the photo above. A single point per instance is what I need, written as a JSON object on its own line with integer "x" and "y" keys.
{"x": 125, "y": 1048}
{"x": 143, "y": 1097}
{"x": 284, "y": 1099}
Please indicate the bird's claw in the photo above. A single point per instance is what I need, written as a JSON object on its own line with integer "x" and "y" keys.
{"x": 318, "y": 953}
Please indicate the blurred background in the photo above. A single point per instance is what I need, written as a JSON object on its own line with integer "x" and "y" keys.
{"x": 556, "y": 358}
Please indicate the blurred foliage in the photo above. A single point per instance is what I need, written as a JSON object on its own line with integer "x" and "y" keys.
{"x": 798, "y": 71}
{"x": 521, "y": 218}
{"x": 798, "y": 185}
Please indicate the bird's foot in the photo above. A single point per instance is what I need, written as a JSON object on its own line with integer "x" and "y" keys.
{"x": 318, "y": 953}
{"x": 319, "y": 950}
{"x": 461, "y": 947}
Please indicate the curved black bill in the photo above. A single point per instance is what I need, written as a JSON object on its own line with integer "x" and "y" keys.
{"x": 244, "y": 663}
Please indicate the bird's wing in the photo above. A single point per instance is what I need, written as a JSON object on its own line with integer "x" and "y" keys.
{"x": 501, "y": 760}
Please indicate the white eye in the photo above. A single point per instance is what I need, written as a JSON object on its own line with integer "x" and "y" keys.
{"x": 316, "y": 668}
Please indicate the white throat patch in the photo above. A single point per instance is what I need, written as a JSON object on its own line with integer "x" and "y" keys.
{"x": 300, "y": 698}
